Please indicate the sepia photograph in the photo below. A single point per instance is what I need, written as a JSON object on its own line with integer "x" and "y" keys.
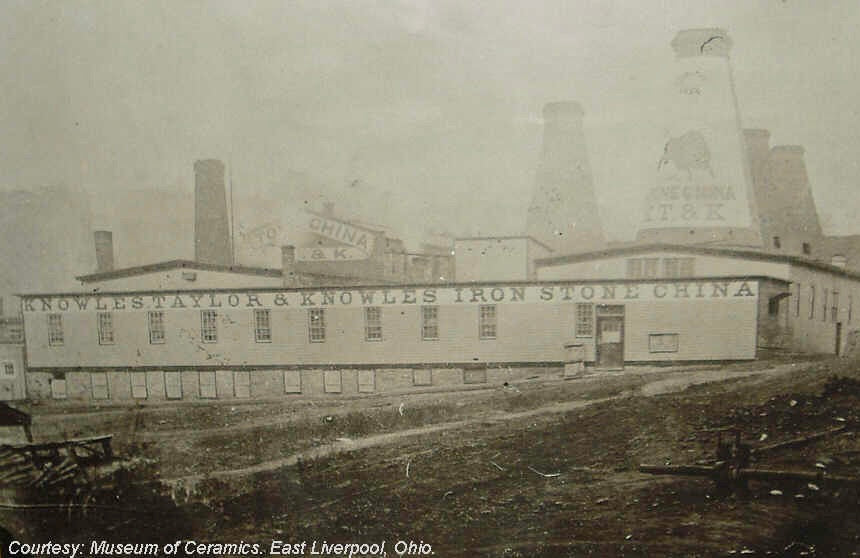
{"x": 412, "y": 278}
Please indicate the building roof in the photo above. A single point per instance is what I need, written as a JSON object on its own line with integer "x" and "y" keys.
{"x": 511, "y": 237}
{"x": 177, "y": 264}
{"x": 724, "y": 251}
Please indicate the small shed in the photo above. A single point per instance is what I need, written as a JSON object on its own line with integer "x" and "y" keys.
{"x": 14, "y": 425}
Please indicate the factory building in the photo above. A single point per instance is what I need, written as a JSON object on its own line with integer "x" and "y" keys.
{"x": 730, "y": 264}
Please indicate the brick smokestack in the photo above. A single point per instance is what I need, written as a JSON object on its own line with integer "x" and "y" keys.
{"x": 104, "y": 250}
{"x": 563, "y": 213}
{"x": 791, "y": 212}
{"x": 211, "y": 222}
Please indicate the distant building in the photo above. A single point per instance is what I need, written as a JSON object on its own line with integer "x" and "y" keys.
{"x": 499, "y": 258}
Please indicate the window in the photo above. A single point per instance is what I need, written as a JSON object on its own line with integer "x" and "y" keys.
{"x": 634, "y": 268}
{"x": 366, "y": 381}
{"x": 15, "y": 331}
{"x": 811, "y": 301}
{"x": 671, "y": 267}
{"x": 9, "y": 368}
{"x": 824, "y": 307}
{"x": 156, "y": 327}
{"x": 138, "y": 385}
{"x": 292, "y": 381}
{"x": 429, "y": 323}
{"x": 100, "y": 385}
{"x": 55, "y": 329}
{"x": 105, "y": 328}
{"x": 649, "y": 269}
{"x": 209, "y": 326}
{"x": 487, "y": 321}
{"x": 422, "y": 377}
{"x": 332, "y": 381}
{"x": 777, "y": 243}
{"x": 834, "y": 309}
{"x": 242, "y": 383}
{"x": 173, "y": 385}
{"x": 584, "y": 319}
{"x": 262, "y": 326}
{"x": 475, "y": 376}
{"x": 663, "y": 342}
{"x": 797, "y": 291}
{"x": 373, "y": 323}
{"x": 58, "y": 388}
{"x": 207, "y": 384}
{"x": 688, "y": 267}
{"x": 316, "y": 325}
{"x": 807, "y": 248}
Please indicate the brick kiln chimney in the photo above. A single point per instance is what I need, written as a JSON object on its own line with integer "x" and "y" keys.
{"x": 791, "y": 210}
{"x": 702, "y": 192}
{"x": 211, "y": 223}
{"x": 563, "y": 213}
{"x": 104, "y": 250}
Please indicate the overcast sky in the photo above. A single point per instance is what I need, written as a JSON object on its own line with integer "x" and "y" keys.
{"x": 437, "y": 102}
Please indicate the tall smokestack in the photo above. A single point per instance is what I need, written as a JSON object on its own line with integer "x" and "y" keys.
{"x": 703, "y": 191}
{"x": 104, "y": 250}
{"x": 563, "y": 213}
{"x": 211, "y": 223}
{"x": 790, "y": 207}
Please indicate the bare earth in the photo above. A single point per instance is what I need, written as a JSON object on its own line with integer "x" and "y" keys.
{"x": 546, "y": 467}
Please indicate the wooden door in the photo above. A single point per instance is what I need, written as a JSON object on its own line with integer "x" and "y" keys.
{"x": 610, "y": 342}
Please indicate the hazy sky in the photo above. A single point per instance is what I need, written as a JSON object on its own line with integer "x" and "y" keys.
{"x": 437, "y": 102}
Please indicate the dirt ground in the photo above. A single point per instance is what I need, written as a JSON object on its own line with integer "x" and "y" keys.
{"x": 546, "y": 467}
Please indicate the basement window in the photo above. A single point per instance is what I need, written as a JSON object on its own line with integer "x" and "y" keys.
{"x": 58, "y": 388}
{"x": 663, "y": 343}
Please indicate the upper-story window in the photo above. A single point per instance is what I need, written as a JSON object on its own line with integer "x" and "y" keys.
{"x": 209, "y": 326}
{"x": 156, "y": 327}
{"x": 373, "y": 323}
{"x": 429, "y": 323}
{"x": 55, "y": 329}
{"x": 834, "y": 308}
{"x": 811, "y": 301}
{"x": 797, "y": 291}
{"x": 584, "y": 319}
{"x": 487, "y": 324}
{"x": 316, "y": 325}
{"x": 262, "y": 326}
{"x": 105, "y": 328}
{"x": 634, "y": 268}
{"x": 649, "y": 268}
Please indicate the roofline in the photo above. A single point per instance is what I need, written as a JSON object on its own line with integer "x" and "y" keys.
{"x": 392, "y": 286}
{"x": 694, "y": 249}
{"x": 177, "y": 264}
{"x": 508, "y": 237}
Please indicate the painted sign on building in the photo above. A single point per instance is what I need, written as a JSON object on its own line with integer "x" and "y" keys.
{"x": 701, "y": 176}
{"x": 330, "y": 254}
{"x": 341, "y": 231}
{"x": 683, "y": 291}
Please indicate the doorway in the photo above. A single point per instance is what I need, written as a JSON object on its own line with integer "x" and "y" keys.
{"x": 610, "y": 337}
